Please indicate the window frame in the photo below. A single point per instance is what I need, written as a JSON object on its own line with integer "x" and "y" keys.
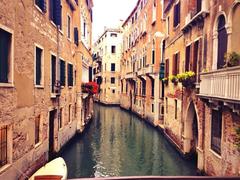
{"x": 69, "y": 24}
{"x": 215, "y": 151}
{"x": 10, "y": 82}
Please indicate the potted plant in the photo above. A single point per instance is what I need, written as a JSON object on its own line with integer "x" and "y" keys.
{"x": 90, "y": 88}
{"x": 187, "y": 79}
{"x": 174, "y": 79}
{"x": 232, "y": 59}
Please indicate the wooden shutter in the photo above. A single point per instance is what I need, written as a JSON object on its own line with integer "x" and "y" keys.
{"x": 195, "y": 56}
{"x": 51, "y": 9}
{"x": 187, "y": 58}
{"x": 167, "y": 68}
{"x": 177, "y": 59}
{"x": 53, "y": 68}
{"x": 43, "y": 5}
{"x": 58, "y": 12}
{"x": 62, "y": 72}
{"x": 76, "y": 39}
{"x": 38, "y": 66}
{"x": 5, "y": 47}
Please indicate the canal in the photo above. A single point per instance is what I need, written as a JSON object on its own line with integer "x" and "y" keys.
{"x": 119, "y": 143}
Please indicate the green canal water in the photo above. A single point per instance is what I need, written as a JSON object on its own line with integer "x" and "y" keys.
{"x": 119, "y": 143}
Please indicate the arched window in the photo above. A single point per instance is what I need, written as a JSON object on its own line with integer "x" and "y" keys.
{"x": 222, "y": 41}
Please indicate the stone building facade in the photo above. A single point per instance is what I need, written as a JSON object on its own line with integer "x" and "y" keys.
{"x": 202, "y": 116}
{"x": 40, "y": 81}
{"x": 106, "y": 66}
{"x": 140, "y": 85}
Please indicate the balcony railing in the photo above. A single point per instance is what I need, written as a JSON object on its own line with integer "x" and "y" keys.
{"x": 150, "y": 69}
{"x": 141, "y": 72}
{"x": 221, "y": 84}
{"x": 130, "y": 75}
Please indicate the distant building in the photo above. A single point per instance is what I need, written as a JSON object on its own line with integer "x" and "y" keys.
{"x": 141, "y": 89}
{"x": 106, "y": 65}
{"x": 41, "y": 52}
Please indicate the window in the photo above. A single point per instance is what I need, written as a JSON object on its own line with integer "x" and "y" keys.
{"x": 38, "y": 66}
{"x": 168, "y": 25}
{"x": 113, "y": 49}
{"x": 37, "y": 129}
{"x": 41, "y": 4}
{"x": 3, "y": 146}
{"x": 69, "y": 27}
{"x": 113, "y": 35}
{"x": 70, "y": 113}
{"x": 153, "y": 52}
{"x": 5, "y": 56}
{"x": 176, "y": 17}
{"x": 222, "y": 41}
{"x": 62, "y": 72}
{"x": 216, "y": 131}
{"x": 112, "y": 80}
{"x": 70, "y": 75}
{"x": 60, "y": 123}
{"x": 53, "y": 72}
{"x": 166, "y": 99}
{"x": 199, "y": 5}
{"x": 176, "y": 60}
{"x": 113, "y": 91}
{"x": 176, "y": 109}
{"x": 55, "y": 12}
{"x": 113, "y": 67}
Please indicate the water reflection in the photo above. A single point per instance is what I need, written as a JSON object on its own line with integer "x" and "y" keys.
{"x": 120, "y": 144}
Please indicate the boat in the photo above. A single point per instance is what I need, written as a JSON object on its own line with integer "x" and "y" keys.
{"x": 56, "y": 167}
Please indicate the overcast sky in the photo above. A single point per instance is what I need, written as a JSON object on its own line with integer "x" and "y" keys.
{"x": 108, "y": 13}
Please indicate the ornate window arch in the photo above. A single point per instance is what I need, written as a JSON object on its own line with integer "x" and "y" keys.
{"x": 220, "y": 41}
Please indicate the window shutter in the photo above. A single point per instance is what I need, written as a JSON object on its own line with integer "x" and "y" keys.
{"x": 38, "y": 66}
{"x": 177, "y": 62}
{"x": 58, "y": 12}
{"x": 51, "y": 10}
{"x": 43, "y": 5}
{"x": 167, "y": 69}
{"x": 76, "y": 36}
{"x": 53, "y": 72}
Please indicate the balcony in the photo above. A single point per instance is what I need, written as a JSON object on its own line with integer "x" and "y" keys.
{"x": 150, "y": 69}
{"x": 221, "y": 84}
{"x": 141, "y": 72}
{"x": 196, "y": 17}
{"x": 130, "y": 75}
